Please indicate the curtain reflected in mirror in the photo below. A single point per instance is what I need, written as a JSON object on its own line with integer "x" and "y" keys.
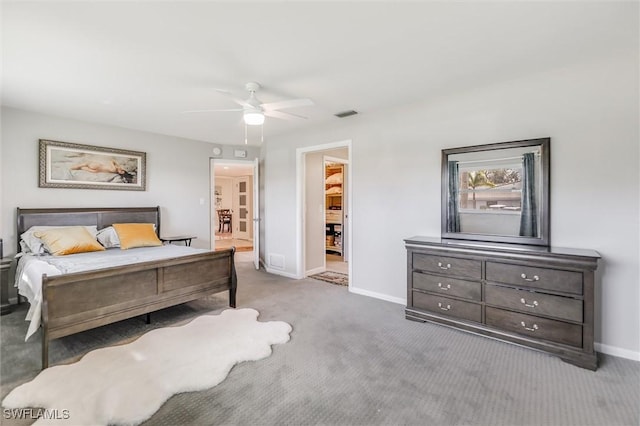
{"x": 529, "y": 214}
{"x": 453, "y": 219}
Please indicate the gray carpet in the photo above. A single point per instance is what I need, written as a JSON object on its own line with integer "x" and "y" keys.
{"x": 356, "y": 360}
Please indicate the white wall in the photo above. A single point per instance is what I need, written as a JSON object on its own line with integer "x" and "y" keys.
{"x": 590, "y": 111}
{"x": 177, "y": 173}
{"x": 496, "y": 223}
{"x": 226, "y": 186}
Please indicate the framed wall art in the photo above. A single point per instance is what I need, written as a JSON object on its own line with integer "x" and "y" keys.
{"x": 71, "y": 165}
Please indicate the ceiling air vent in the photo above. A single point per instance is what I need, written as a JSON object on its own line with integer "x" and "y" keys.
{"x": 344, "y": 114}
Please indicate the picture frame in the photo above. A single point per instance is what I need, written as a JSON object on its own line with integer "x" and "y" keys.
{"x": 72, "y": 165}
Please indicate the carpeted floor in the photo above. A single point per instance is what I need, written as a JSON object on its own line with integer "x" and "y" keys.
{"x": 332, "y": 277}
{"x": 355, "y": 360}
{"x": 131, "y": 381}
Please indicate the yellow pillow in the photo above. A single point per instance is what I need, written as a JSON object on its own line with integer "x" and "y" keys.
{"x": 70, "y": 240}
{"x": 136, "y": 235}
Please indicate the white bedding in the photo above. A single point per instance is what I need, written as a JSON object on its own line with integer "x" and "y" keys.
{"x": 31, "y": 268}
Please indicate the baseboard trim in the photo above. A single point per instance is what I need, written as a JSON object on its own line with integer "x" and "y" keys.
{"x": 375, "y": 295}
{"x": 315, "y": 271}
{"x": 616, "y": 351}
{"x": 282, "y": 273}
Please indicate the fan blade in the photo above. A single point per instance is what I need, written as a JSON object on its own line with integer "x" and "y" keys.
{"x": 211, "y": 110}
{"x": 291, "y": 103}
{"x": 240, "y": 102}
{"x": 225, "y": 91}
{"x": 283, "y": 115}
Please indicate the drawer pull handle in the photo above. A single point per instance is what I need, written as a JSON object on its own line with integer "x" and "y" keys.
{"x": 524, "y": 277}
{"x": 534, "y": 328}
{"x": 444, "y": 287}
{"x": 529, "y": 305}
{"x": 444, "y": 308}
{"x": 445, "y": 267}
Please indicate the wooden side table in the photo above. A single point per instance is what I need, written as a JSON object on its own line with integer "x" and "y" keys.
{"x": 5, "y": 306}
{"x": 180, "y": 238}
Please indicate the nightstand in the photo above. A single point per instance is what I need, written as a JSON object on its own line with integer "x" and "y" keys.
{"x": 6, "y": 307}
{"x": 180, "y": 238}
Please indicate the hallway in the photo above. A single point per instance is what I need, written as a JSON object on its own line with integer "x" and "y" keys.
{"x": 336, "y": 264}
{"x": 224, "y": 241}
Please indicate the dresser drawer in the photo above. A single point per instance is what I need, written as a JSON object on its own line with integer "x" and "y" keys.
{"x": 563, "y": 308}
{"x": 535, "y": 327}
{"x": 447, "y": 286}
{"x": 549, "y": 279}
{"x": 456, "y": 267}
{"x": 449, "y": 307}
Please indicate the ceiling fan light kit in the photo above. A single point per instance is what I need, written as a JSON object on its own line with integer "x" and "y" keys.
{"x": 253, "y": 118}
{"x": 252, "y": 111}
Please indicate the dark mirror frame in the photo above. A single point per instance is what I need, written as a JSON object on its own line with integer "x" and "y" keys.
{"x": 545, "y": 148}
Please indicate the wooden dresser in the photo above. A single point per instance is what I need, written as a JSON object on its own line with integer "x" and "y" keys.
{"x": 539, "y": 297}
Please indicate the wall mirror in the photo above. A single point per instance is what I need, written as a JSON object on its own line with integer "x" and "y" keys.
{"x": 497, "y": 192}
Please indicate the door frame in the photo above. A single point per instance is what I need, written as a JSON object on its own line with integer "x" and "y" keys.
{"x": 300, "y": 202}
{"x": 254, "y": 195}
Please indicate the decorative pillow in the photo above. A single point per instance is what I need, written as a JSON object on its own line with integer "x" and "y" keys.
{"x": 32, "y": 244}
{"x": 70, "y": 240}
{"x": 136, "y": 235}
{"x": 108, "y": 237}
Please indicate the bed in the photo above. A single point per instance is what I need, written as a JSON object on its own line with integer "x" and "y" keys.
{"x": 79, "y": 301}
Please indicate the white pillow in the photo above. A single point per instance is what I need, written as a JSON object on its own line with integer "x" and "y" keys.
{"x": 32, "y": 244}
{"x": 108, "y": 237}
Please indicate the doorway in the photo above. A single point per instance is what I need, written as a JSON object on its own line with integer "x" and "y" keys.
{"x": 234, "y": 209}
{"x": 335, "y": 207}
{"x": 319, "y": 252}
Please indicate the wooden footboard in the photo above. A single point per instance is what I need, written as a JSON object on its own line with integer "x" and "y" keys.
{"x": 81, "y": 301}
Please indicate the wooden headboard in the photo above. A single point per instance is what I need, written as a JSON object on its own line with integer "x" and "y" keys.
{"x": 100, "y": 217}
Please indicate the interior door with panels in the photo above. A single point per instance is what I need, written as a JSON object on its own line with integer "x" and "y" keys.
{"x": 244, "y": 215}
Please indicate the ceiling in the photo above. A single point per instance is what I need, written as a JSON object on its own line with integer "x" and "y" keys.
{"x": 222, "y": 169}
{"x": 140, "y": 65}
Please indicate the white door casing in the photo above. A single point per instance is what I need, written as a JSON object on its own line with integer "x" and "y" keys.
{"x": 300, "y": 211}
{"x": 253, "y": 194}
{"x": 256, "y": 215}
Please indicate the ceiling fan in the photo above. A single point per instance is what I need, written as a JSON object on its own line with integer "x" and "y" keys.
{"x": 254, "y": 111}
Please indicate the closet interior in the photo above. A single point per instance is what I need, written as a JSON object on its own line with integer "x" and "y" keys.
{"x": 334, "y": 201}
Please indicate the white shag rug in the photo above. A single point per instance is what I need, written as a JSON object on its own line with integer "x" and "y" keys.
{"x": 126, "y": 384}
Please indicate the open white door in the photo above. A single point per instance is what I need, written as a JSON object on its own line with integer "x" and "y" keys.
{"x": 256, "y": 215}
{"x": 242, "y": 210}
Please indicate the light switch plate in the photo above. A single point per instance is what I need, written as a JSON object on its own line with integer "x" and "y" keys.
{"x": 240, "y": 153}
